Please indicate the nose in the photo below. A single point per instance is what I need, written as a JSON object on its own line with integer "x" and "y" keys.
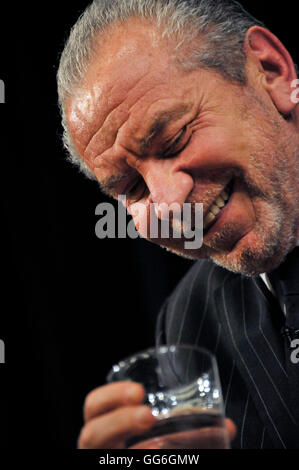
{"x": 167, "y": 185}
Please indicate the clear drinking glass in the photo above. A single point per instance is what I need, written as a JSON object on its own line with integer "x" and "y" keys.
{"x": 183, "y": 391}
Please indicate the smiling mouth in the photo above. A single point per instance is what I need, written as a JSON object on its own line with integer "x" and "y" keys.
{"x": 217, "y": 207}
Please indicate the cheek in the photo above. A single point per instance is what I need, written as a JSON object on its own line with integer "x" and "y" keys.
{"x": 218, "y": 147}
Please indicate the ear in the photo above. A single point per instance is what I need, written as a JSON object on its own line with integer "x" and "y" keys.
{"x": 276, "y": 65}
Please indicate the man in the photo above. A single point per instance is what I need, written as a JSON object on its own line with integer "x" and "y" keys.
{"x": 174, "y": 101}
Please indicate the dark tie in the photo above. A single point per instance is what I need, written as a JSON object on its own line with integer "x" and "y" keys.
{"x": 285, "y": 280}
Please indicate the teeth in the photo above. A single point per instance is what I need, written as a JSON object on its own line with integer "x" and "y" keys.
{"x": 224, "y": 196}
{"x": 215, "y": 210}
{"x": 220, "y": 202}
{"x": 209, "y": 218}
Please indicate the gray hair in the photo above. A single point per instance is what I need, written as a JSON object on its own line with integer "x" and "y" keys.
{"x": 223, "y": 23}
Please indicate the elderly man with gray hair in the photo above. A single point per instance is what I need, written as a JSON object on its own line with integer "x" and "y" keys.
{"x": 192, "y": 101}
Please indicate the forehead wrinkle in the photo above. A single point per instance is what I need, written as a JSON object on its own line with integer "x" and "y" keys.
{"x": 105, "y": 136}
{"x": 113, "y": 116}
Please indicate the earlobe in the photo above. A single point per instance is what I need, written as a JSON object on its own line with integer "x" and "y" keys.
{"x": 276, "y": 65}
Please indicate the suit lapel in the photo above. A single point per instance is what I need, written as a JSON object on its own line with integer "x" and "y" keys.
{"x": 252, "y": 322}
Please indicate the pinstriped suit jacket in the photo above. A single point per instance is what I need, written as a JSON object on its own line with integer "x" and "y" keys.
{"x": 239, "y": 320}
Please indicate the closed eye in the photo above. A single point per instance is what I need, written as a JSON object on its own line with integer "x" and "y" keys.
{"x": 176, "y": 146}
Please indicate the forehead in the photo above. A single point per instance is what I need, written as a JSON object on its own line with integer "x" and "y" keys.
{"x": 134, "y": 63}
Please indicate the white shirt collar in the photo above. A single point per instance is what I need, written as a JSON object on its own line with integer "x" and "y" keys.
{"x": 266, "y": 280}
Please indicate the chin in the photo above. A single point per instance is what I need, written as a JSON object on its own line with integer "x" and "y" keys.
{"x": 254, "y": 255}
{"x": 177, "y": 248}
{"x": 263, "y": 249}
{"x": 260, "y": 251}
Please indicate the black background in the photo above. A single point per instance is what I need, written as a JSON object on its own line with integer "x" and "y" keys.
{"x": 71, "y": 304}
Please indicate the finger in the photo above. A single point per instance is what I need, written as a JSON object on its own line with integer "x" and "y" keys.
{"x": 231, "y": 429}
{"x": 112, "y": 429}
{"x": 111, "y": 396}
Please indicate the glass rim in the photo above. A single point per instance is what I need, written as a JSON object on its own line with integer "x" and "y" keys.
{"x": 151, "y": 350}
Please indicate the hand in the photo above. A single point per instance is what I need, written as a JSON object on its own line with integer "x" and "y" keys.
{"x": 114, "y": 412}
